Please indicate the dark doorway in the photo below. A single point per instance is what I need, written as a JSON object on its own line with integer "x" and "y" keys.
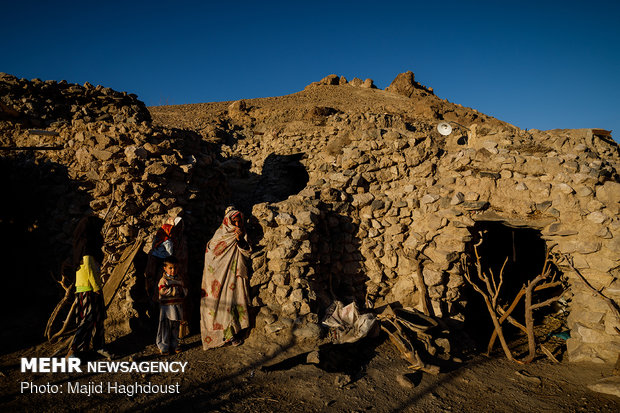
{"x": 281, "y": 177}
{"x": 40, "y": 209}
{"x": 525, "y": 251}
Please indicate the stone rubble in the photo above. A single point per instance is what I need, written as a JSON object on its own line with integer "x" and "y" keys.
{"x": 118, "y": 167}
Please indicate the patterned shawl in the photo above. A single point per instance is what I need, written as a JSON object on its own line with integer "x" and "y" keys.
{"x": 224, "y": 295}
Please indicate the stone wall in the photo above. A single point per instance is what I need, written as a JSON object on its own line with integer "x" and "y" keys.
{"x": 127, "y": 171}
{"x": 40, "y": 103}
{"x": 385, "y": 195}
{"x": 388, "y": 201}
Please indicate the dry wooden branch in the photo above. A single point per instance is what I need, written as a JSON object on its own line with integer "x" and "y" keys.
{"x": 529, "y": 319}
{"x": 67, "y": 285}
{"x": 108, "y": 224}
{"x": 390, "y": 323}
{"x": 63, "y": 332}
{"x": 489, "y": 297}
{"x": 529, "y": 307}
{"x": 501, "y": 281}
{"x": 510, "y": 320}
{"x": 109, "y": 206}
{"x": 498, "y": 314}
{"x": 65, "y": 345}
{"x": 548, "y": 353}
{"x": 403, "y": 345}
{"x": 505, "y": 314}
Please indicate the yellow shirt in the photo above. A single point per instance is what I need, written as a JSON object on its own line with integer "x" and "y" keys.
{"x": 87, "y": 277}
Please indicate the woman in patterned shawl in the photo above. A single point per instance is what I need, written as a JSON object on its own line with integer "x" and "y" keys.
{"x": 224, "y": 295}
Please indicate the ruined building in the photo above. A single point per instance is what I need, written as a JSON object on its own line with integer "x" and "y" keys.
{"x": 350, "y": 191}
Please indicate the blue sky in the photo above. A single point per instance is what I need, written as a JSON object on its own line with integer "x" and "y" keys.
{"x": 535, "y": 64}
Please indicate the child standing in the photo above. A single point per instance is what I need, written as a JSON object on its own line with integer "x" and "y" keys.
{"x": 171, "y": 294}
{"x": 88, "y": 288}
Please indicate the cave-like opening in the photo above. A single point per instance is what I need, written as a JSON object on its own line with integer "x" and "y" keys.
{"x": 521, "y": 251}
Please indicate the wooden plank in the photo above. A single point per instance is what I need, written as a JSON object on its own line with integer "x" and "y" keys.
{"x": 31, "y": 148}
{"x": 121, "y": 270}
{"x": 42, "y": 132}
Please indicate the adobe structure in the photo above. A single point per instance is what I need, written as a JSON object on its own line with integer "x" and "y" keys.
{"x": 350, "y": 191}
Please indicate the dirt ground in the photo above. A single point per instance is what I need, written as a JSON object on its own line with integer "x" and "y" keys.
{"x": 267, "y": 375}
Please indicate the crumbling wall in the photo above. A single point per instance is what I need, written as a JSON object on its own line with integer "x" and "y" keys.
{"x": 131, "y": 173}
{"x": 387, "y": 193}
{"x": 40, "y": 103}
{"x": 389, "y": 202}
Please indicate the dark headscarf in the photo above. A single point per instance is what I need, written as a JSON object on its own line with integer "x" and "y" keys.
{"x": 87, "y": 240}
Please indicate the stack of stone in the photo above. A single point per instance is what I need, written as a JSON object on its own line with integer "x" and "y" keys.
{"x": 41, "y": 103}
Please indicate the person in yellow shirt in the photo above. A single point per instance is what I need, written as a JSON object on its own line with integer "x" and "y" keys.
{"x": 90, "y": 311}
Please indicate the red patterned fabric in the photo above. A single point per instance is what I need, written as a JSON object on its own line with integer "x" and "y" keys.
{"x": 224, "y": 310}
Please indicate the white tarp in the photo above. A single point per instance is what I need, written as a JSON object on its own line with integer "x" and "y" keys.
{"x": 346, "y": 324}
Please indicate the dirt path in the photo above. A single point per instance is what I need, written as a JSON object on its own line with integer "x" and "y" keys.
{"x": 275, "y": 376}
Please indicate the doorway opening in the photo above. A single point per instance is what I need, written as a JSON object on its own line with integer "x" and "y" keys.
{"x": 521, "y": 252}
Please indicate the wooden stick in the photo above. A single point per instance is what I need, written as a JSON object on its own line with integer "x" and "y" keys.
{"x": 548, "y": 353}
{"x": 529, "y": 307}
{"x": 63, "y": 330}
{"x": 511, "y": 321}
{"x": 65, "y": 299}
{"x": 503, "y": 318}
{"x": 109, "y": 206}
{"x": 487, "y": 300}
{"x": 529, "y": 319}
{"x": 506, "y": 313}
{"x": 501, "y": 281}
{"x": 67, "y": 343}
{"x": 546, "y": 302}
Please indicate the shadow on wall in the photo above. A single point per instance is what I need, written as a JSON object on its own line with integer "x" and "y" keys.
{"x": 281, "y": 177}
{"x": 39, "y": 210}
{"x": 338, "y": 272}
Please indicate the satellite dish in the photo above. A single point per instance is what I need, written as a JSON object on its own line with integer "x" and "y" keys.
{"x": 444, "y": 128}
